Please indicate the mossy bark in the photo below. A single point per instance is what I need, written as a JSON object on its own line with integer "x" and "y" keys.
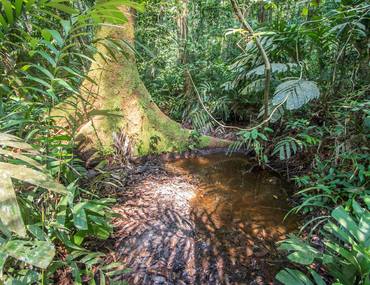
{"x": 129, "y": 108}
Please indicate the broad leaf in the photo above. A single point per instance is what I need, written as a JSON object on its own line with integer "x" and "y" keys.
{"x": 15, "y": 142}
{"x": 31, "y": 176}
{"x": 318, "y": 279}
{"x": 37, "y": 253}
{"x": 275, "y": 68}
{"x": 293, "y": 277}
{"x": 345, "y": 220}
{"x": 295, "y": 93}
{"x": 10, "y": 213}
{"x": 15, "y": 155}
{"x": 302, "y": 257}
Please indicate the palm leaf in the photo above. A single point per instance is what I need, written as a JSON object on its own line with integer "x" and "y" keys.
{"x": 275, "y": 68}
{"x": 295, "y": 93}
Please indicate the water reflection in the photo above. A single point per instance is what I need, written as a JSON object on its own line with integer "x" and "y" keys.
{"x": 238, "y": 215}
{"x": 206, "y": 220}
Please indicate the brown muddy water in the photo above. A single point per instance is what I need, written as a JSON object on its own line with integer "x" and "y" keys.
{"x": 203, "y": 220}
{"x": 240, "y": 213}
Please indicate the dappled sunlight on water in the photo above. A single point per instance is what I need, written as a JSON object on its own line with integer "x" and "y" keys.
{"x": 228, "y": 193}
{"x": 238, "y": 216}
{"x": 205, "y": 220}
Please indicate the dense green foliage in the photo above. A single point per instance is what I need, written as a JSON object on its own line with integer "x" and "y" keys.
{"x": 47, "y": 217}
{"x": 195, "y": 60}
{"x": 319, "y": 110}
{"x": 202, "y": 49}
{"x": 346, "y": 265}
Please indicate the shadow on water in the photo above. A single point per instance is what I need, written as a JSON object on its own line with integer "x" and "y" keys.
{"x": 227, "y": 235}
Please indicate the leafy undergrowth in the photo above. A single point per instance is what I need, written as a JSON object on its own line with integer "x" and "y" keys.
{"x": 49, "y": 222}
{"x": 318, "y": 128}
{"x": 318, "y": 131}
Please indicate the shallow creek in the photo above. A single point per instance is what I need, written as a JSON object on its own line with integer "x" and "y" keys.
{"x": 228, "y": 193}
{"x": 205, "y": 220}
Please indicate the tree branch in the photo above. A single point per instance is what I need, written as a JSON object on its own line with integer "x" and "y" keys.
{"x": 265, "y": 58}
{"x": 265, "y": 121}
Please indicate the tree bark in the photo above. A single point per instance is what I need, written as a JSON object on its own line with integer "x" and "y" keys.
{"x": 122, "y": 108}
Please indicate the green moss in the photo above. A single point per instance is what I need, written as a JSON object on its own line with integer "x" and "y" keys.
{"x": 107, "y": 150}
{"x": 130, "y": 110}
{"x": 204, "y": 142}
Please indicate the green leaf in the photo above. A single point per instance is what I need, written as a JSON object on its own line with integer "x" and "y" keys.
{"x": 301, "y": 257}
{"x": 293, "y": 277}
{"x": 57, "y": 37}
{"x": 18, "y": 7}
{"x": 37, "y": 253}
{"x": 3, "y": 22}
{"x": 317, "y": 278}
{"x": 304, "y": 12}
{"x": 288, "y": 153}
{"x": 102, "y": 277}
{"x": 47, "y": 57}
{"x": 8, "y": 11}
{"x": 66, "y": 85}
{"x": 29, "y": 3}
{"x": 79, "y": 237}
{"x": 254, "y": 134}
{"x": 344, "y": 253}
{"x": 364, "y": 227}
{"x": 31, "y": 176}
{"x": 62, "y": 210}
{"x": 10, "y": 213}
{"x": 37, "y": 232}
{"x": 3, "y": 257}
{"x": 281, "y": 153}
{"x": 79, "y": 217}
{"x": 62, "y": 7}
{"x": 76, "y": 273}
{"x": 66, "y": 26}
{"x": 295, "y": 93}
{"x": 342, "y": 217}
{"x": 39, "y": 80}
{"x": 43, "y": 70}
{"x": 339, "y": 232}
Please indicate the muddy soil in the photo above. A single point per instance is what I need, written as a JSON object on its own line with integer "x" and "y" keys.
{"x": 204, "y": 220}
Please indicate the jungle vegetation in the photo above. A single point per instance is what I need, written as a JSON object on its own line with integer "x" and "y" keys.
{"x": 287, "y": 80}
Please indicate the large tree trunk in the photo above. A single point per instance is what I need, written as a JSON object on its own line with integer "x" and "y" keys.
{"x": 137, "y": 119}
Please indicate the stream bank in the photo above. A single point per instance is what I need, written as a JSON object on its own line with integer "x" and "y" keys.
{"x": 202, "y": 220}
